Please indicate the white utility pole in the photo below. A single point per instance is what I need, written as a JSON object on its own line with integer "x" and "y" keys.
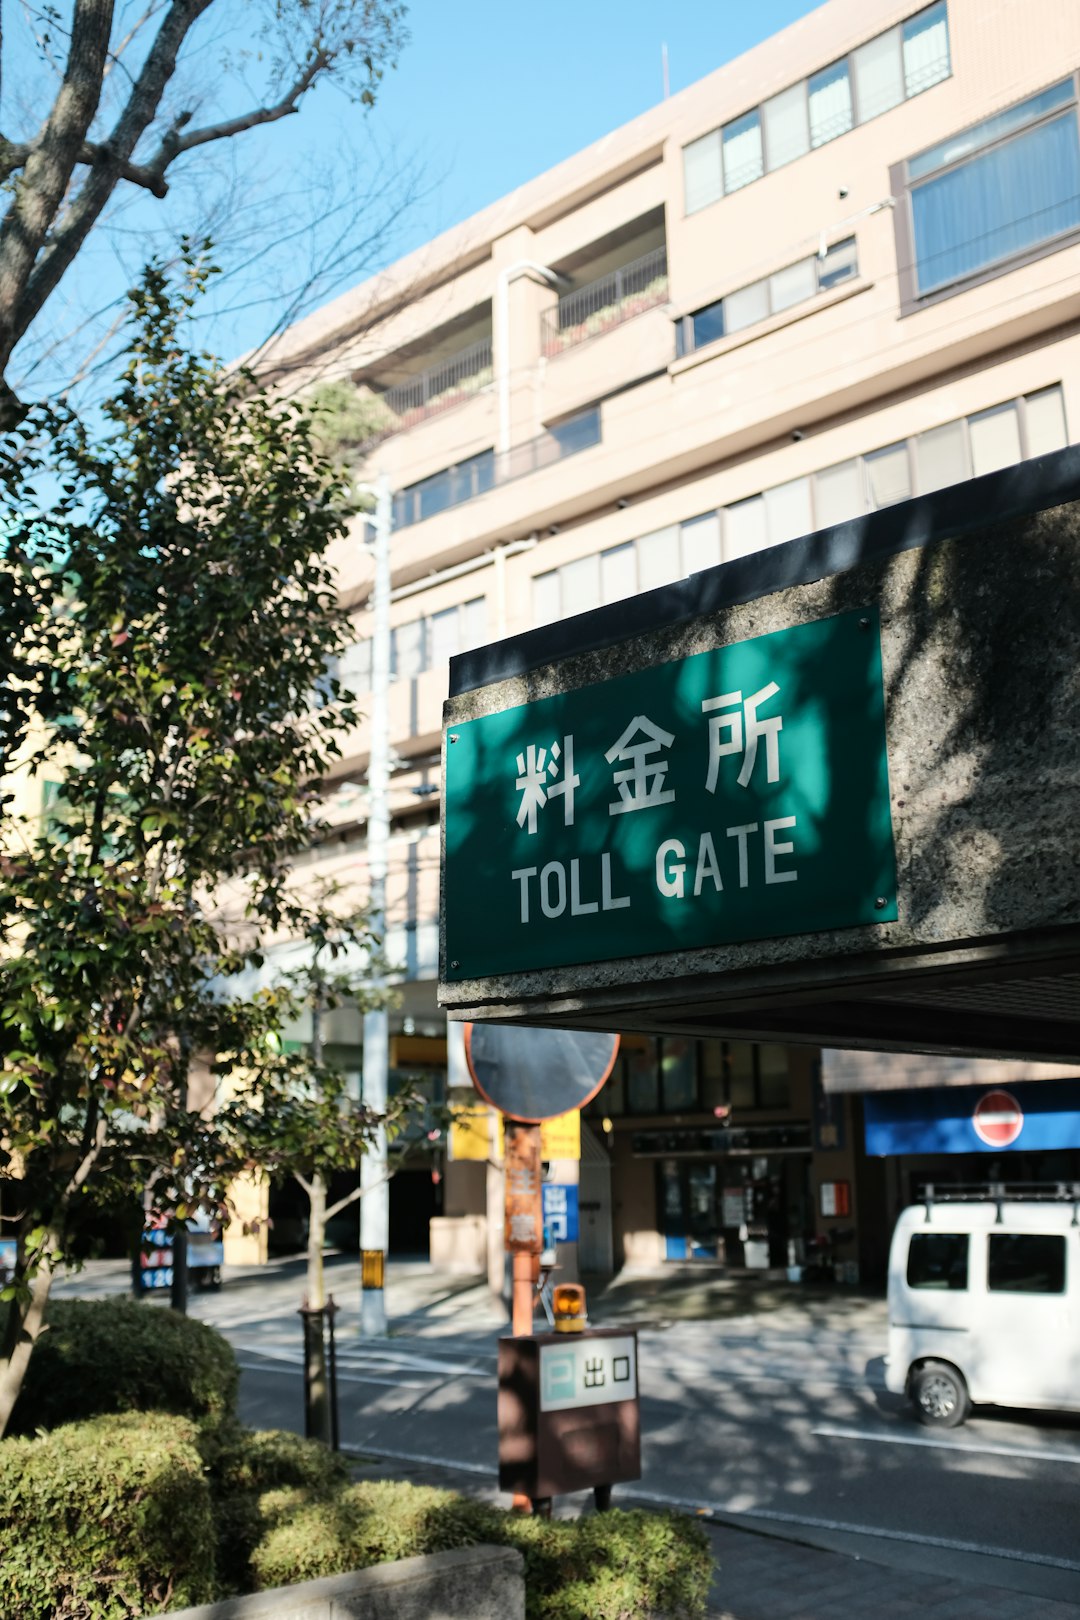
{"x": 375, "y": 1203}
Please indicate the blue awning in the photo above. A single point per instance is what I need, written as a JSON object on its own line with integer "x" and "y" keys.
{"x": 1046, "y": 1115}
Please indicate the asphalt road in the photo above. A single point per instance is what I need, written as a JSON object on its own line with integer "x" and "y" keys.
{"x": 780, "y": 1426}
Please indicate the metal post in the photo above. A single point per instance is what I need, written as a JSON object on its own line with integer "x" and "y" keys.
{"x": 375, "y": 1203}
{"x": 317, "y": 1410}
{"x": 335, "y": 1426}
{"x": 524, "y": 1239}
{"x": 178, "y": 1293}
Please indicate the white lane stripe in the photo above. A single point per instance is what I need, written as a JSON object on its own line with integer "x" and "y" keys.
{"x": 769, "y": 1515}
{"x": 357, "y": 1359}
{"x": 364, "y": 1449}
{"x": 343, "y": 1377}
{"x": 773, "y": 1516}
{"x": 1037, "y": 1454}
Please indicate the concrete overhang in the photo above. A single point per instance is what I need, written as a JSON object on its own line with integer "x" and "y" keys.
{"x": 978, "y": 592}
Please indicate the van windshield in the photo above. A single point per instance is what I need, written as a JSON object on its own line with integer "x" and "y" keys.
{"x": 938, "y": 1260}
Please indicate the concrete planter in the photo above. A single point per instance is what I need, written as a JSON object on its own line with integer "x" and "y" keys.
{"x": 471, "y": 1583}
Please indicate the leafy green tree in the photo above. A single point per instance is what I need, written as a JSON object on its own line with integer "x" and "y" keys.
{"x": 172, "y": 620}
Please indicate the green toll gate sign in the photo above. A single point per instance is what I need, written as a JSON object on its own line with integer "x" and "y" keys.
{"x": 738, "y": 794}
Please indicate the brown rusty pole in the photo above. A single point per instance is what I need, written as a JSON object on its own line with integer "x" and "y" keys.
{"x": 524, "y": 1233}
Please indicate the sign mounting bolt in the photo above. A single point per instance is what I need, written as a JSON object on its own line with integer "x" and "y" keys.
{"x": 864, "y": 624}
{"x": 881, "y": 902}
{"x": 455, "y": 964}
{"x": 453, "y": 736}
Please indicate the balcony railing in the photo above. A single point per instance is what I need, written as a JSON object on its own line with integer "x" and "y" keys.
{"x": 439, "y": 388}
{"x": 482, "y": 472}
{"x": 605, "y": 303}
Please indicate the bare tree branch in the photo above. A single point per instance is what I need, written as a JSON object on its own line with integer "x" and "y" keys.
{"x": 50, "y": 163}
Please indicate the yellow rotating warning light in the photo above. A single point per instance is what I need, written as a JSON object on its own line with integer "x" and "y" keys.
{"x": 568, "y": 1308}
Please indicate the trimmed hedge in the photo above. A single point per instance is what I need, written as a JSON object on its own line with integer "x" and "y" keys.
{"x": 117, "y": 1355}
{"x": 243, "y": 1467}
{"x": 610, "y": 1566}
{"x": 105, "y": 1520}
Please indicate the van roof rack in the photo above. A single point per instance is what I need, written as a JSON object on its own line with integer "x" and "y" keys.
{"x": 1001, "y": 1192}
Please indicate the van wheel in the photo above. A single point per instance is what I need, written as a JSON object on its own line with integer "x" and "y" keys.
{"x": 939, "y": 1395}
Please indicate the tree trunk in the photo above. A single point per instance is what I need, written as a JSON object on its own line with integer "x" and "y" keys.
{"x": 24, "y": 1325}
{"x": 316, "y": 1280}
{"x": 317, "y": 1401}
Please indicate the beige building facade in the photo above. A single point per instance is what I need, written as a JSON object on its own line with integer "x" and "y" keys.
{"x": 841, "y": 271}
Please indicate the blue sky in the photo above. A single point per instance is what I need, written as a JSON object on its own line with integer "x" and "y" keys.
{"x": 485, "y": 97}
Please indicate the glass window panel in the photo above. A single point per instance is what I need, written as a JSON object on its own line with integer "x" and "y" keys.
{"x": 434, "y": 495}
{"x": 838, "y": 494}
{"x": 938, "y": 1260}
{"x": 997, "y": 204}
{"x": 474, "y": 630}
{"x": 774, "y": 1083}
{"x": 830, "y": 104}
{"x": 788, "y": 510}
{"x": 618, "y": 573}
{"x": 678, "y": 1072}
{"x": 746, "y": 306}
{"x": 445, "y": 636}
{"x": 702, "y": 174}
{"x": 926, "y": 49}
{"x": 793, "y": 285}
{"x": 546, "y": 598}
{"x": 714, "y": 1075}
{"x": 1045, "y": 421}
{"x": 879, "y": 75}
{"x": 643, "y": 1079}
{"x": 838, "y": 264}
{"x": 744, "y": 528}
{"x": 1025, "y": 1263}
{"x": 701, "y": 543}
{"x": 354, "y": 667}
{"x": 992, "y": 129}
{"x": 741, "y": 1070}
{"x": 995, "y": 439}
{"x": 941, "y": 457}
{"x": 742, "y": 151}
{"x": 658, "y": 558}
{"x": 708, "y": 324}
{"x": 581, "y": 585}
{"x": 888, "y": 474}
{"x": 407, "y": 650}
{"x": 577, "y": 432}
{"x": 787, "y": 135}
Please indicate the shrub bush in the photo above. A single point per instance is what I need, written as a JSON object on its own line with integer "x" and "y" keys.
{"x": 247, "y": 1470}
{"x": 105, "y": 1520}
{"x": 611, "y": 1566}
{"x": 117, "y": 1355}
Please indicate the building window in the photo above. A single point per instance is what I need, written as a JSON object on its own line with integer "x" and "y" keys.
{"x": 433, "y": 640}
{"x": 946, "y": 454}
{"x": 994, "y": 192}
{"x": 445, "y": 489}
{"x": 888, "y": 69}
{"x": 794, "y": 284}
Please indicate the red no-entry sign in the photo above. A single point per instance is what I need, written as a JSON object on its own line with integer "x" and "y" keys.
{"x": 998, "y": 1119}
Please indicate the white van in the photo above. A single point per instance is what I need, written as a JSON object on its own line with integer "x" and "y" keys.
{"x": 984, "y": 1305}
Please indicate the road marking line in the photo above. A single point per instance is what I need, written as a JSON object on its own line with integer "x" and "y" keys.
{"x": 1038, "y": 1454}
{"x": 770, "y": 1515}
{"x": 343, "y": 1377}
{"x": 774, "y": 1516}
{"x": 422, "y": 1457}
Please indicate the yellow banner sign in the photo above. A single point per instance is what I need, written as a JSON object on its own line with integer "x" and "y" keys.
{"x": 470, "y": 1133}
